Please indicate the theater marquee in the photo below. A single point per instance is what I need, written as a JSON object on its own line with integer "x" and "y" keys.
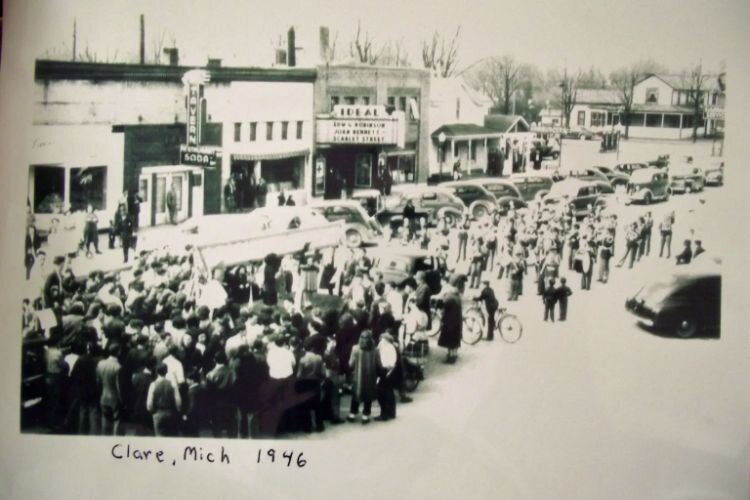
{"x": 359, "y": 125}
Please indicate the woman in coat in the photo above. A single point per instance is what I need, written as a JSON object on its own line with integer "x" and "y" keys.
{"x": 451, "y": 324}
{"x": 365, "y": 365}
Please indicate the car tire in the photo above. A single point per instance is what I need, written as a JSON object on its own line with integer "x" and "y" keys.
{"x": 686, "y": 328}
{"x": 555, "y": 155}
{"x": 353, "y": 238}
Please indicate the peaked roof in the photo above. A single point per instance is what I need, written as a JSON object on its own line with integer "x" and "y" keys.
{"x": 680, "y": 82}
{"x": 463, "y": 129}
{"x": 504, "y": 123}
{"x": 597, "y": 96}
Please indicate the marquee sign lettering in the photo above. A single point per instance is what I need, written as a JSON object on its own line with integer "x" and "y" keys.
{"x": 201, "y": 157}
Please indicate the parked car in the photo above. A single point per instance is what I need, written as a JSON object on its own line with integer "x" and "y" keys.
{"x": 661, "y": 162}
{"x": 477, "y": 199}
{"x": 550, "y": 150}
{"x": 359, "y": 227}
{"x": 615, "y": 177}
{"x": 647, "y": 185}
{"x": 581, "y": 134}
{"x": 585, "y": 174}
{"x": 582, "y": 196}
{"x": 715, "y": 175}
{"x": 430, "y": 202}
{"x": 397, "y": 264}
{"x": 370, "y": 199}
{"x": 534, "y": 185}
{"x": 682, "y": 305}
{"x": 505, "y": 193}
{"x": 629, "y": 168}
{"x": 686, "y": 178}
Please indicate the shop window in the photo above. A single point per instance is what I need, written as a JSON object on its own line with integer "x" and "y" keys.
{"x": 284, "y": 130}
{"x": 161, "y": 194}
{"x": 299, "y": 129}
{"x": 143, "y": 190}
{"x": 671, "y": 121}
{"x": 334, "y": 102}
{"x": 269, "y": 131}
{"x": 49, "y": 189}
{"x": 363, "y": 171}
{"x": 283, "y": 175}
{"x": 687, "y": 121}
{"x": 581, "y": 118}
{"x": 237, "y": 132}
{"x": 253, "y": 130}
{"x": 88, "y": 185}
{"x": 402, "y": 103}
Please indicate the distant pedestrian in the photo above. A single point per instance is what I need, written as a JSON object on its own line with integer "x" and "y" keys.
{"x": 91, "y": 235}
{"x": 686, "y": 255}
{"x": 698, "y": 249}
{"x": 550, "y": 298}
{"x": 172, "y": 203}
{"x": 487, "y": 295}
{"x": 563, "y": 292}
{"x": 665, "y": 229}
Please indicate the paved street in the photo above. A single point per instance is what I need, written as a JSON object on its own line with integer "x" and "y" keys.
{"x": 594, "y": 395}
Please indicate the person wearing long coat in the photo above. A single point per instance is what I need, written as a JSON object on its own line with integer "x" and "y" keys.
{"x": 451, "y": 325}
{"x": 365, "y": 365}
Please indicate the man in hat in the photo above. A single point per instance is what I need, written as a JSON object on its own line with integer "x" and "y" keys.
{"x": 53, "y": 284}
{"x": 686, "y": 255}
{"x": 549, "y": 296}
{"x": 487, "y": 295}
{"x": 698, "y": 249}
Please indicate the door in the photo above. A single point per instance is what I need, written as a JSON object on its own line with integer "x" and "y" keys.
{"x": 160, "y": 198}
{"x": 144, "y": 191}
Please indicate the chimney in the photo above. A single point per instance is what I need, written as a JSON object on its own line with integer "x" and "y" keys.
{"x": 214, "y": 63}
{"x": 324, "y": 39}
{"x": 291, "y": 48}
{"x": 143, "y": 40}
{"x": 173, "y": 55}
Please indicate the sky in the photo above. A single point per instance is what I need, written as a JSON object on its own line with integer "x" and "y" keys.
{"x": 547, "y": 33}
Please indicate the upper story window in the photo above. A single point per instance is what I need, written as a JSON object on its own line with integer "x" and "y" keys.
{"x": 237, "y": 132}
{"x": 284, "y": 130}
{"x": 269, "y": 131}
{"x": 652, "y": 96}
{"x": 299, "y": 129}
{"x": 334, "y": 101}
{"x": 351, "y": 100}
{"x": 253, "y": 130}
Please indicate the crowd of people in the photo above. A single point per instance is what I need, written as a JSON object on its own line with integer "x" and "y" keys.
{"x": 167, "y": 347}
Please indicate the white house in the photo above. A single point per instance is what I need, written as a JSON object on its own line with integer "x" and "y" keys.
{"x": 456, "y": 126}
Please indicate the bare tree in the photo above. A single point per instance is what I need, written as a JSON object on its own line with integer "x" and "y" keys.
{"x": 568, "y": 84}
{"x": 694, "y": 81}
{"x": 330, "y": 51}
{"x": 364, "y": 49}
{"x": 395, "y": 55}
{"x": 439, "y": 57}
{"x": 624, "y": 81}
{"x": 157, "y": 46}
{"x": 499, "y": 78}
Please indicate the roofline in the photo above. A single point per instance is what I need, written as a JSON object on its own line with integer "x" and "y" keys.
{"x": 99, "y": 72}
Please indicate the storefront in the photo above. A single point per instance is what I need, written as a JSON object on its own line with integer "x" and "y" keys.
{"x": 355, "y": 144}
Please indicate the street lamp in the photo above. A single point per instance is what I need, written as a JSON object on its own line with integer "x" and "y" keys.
{"x": 441, "y": 139}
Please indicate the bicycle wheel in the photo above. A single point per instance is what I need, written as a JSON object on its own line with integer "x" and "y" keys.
{"x": 437, "y": 318}
{"x": 510, "y": 328}
{"x": 473, "y": 327}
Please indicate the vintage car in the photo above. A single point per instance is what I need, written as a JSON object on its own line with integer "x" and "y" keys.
{"x": 581, "y": 134}
{"x": 370, "y": 199}
{"x": 359, "y": 228}
{"x": 715, "y": 174}
{"x": 550, "y": 150}
{"x": 615, "y": 177}
{"x": 478, "y": 200}
{"x": 647, "y": 185}
{"x": 686, "y": 178}
{"x": 430, "y": 202}
{"x": 681, "y": 304}
{"x": 228, "y": 239}
{"x": 505, "y": 192}
{"x": 581, "y": 196}
{"x": 584, "y": 174}
{"x": 397, "y": 264}
{"x": 629, "y": 168}
{"x": 534, "y": 185}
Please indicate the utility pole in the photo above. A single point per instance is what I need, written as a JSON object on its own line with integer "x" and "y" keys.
{"x": 75, "y": 34}
{"x": 143, "y": 40}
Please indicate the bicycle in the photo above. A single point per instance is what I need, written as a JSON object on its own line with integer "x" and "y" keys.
{"x": 507, "y": 325}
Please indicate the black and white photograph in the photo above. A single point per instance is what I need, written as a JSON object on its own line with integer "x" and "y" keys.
{"x": 480, "y": 248}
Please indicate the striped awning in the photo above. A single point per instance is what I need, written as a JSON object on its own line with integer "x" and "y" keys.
{"x": 270, "y": 156}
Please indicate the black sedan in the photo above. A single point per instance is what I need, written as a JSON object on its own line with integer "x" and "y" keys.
{"x": 683, "y": 305}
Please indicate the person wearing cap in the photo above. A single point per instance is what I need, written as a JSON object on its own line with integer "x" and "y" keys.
{"x": 164, "y": 403}
{"x": 53, "y": 284}
{"x": 549, "y": 297}
{"x": 487, "y": 295}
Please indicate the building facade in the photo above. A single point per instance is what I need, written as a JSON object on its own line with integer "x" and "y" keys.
{"x": 371, "y": 128}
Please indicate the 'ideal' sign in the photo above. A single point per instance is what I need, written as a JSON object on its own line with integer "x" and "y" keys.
{"x": 359, "y": 111}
